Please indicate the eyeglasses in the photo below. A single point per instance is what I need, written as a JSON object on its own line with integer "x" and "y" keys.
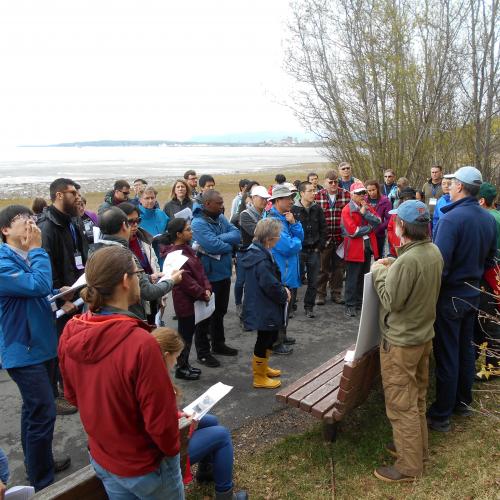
{"x": 388, "y": 176}
{"x": 188, "y": 229}
{"x": 345, "y": 168}
{"x": 70, "y": 191}
{"x": 126, "y": 193}
{"x": 135, "y": 221}
{"x": 136, "y": 273}
{"x": 332, "y": 181}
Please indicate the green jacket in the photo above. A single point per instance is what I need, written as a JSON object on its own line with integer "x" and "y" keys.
{"x": 408, "y": 291}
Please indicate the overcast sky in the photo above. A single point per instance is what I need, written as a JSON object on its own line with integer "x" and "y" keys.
{"x": 165, "y": 69}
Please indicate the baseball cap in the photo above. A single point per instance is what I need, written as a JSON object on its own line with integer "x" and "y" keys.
{"x": 467, "y": 175}
{"x": 290, "y": 186}
{"x": 260, "y": 191}
{"x": 413, "y": 212}
{"x": 357, "y": 187}
{"x": 280, "y": 191}
{"x": 487, "y": 191}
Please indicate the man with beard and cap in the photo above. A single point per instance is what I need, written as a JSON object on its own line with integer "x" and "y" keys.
{"x": 63, "y": 239}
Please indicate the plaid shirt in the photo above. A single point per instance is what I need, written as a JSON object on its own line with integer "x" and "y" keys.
{"x": 333, "y": 212}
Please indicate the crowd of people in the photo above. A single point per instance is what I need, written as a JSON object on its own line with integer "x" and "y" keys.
{"x": 431, "y": 252}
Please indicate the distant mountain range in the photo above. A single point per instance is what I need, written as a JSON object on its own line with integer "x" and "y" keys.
{"x": 242, "y": 139}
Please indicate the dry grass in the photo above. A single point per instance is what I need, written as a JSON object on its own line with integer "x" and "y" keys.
{"x": 464, "y": 463}
{"x": 227, "y": 184}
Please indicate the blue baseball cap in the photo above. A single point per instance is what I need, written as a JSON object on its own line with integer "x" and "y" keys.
{"x": 467, "y": 175}
{"x": 413, "y": 212}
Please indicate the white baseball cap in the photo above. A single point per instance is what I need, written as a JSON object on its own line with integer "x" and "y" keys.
{"x": 260, "y": 191}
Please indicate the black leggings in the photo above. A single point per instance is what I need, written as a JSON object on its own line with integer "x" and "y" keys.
{"x": 186, "y": 329}
{"x": 265, "y": 341}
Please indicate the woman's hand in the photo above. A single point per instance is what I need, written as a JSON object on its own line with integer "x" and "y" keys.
{"x": 208, "y": 294}
{"x": 288, "y": 294}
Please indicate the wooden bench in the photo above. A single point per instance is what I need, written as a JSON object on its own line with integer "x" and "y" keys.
{"x": 85, "y": 485}
{"x": 333, "y": 389}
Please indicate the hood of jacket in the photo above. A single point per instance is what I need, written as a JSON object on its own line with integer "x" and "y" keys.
{"x": 254, "y": 254}
{"x": 198, "y": 212}
{"x": 464, "y": 202}
{"x": 186, "y": 250}
{"x": 91, "y": 337}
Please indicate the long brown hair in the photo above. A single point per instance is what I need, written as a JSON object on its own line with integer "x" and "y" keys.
{"x": 187, "y": 186}
{"x": 169, "y": 341}
{"x": 103, "y": 272}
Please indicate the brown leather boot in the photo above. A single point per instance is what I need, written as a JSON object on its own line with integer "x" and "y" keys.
{"x": 391, "y": 475}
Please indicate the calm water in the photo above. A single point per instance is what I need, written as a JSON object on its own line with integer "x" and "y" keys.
{"x": 28, "y": 171}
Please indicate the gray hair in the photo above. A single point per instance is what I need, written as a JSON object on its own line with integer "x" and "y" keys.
{"x": 266, "y": 229}
{"x": 149, "y": 189}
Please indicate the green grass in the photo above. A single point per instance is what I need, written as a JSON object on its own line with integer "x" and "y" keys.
{"x": 464, "y": 464}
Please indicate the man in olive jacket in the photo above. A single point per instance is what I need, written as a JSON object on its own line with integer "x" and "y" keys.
{"x": 408, "y": 289}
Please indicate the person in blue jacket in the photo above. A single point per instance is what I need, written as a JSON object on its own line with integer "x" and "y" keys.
{"x": 264, "y": 300}
{"x": 215, "y": 240}
{"x": 28, "y": 339}
{"x": 466, "y": 237}
{"x": 442, "y": 202}
{"x": 153, "y": 220}
{"x": 286, "y": 253}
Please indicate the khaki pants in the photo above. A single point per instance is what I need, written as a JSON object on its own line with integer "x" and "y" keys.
{"x": 405, "y": 377}
{"x": 331, "y": 273}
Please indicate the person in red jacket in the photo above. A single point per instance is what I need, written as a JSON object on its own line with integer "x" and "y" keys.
{"x": 358, "y": 222}
{"x": 194, "y": 286}
{"x": 114, "y": 373}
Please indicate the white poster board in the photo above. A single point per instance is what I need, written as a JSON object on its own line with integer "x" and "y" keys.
{"x": 368, "y": 330}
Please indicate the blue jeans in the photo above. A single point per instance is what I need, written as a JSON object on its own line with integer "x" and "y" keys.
{"x": 454, "y": 354}
{"x": 4, "y": 467}
{"x": 38, "y": 416}
{"x": 165, "y": 482}
{"x": 212, "y": 443}
{"x": 240, "y": 280}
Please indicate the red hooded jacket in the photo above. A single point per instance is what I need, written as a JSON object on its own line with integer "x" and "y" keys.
{"x": 114, "y": 372}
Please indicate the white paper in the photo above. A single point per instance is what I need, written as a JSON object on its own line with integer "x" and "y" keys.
{"x": 340, "y": 250}
{"x": 79, "y": 283}
{"x": 97, "y": 233}
{"x": 203, "y": 310}
{"x": 77, "y": 303}
{"x": 186, "y": 213}
{"x": 173, "y": 261}
{"x": 369, "y": 329}
{"x": 198, "y": 248}
{"x": 20, "y": 493}
{"x": 201, "y": 406}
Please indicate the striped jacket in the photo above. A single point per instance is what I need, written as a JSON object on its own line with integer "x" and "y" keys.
{"x": 333, "y": 213}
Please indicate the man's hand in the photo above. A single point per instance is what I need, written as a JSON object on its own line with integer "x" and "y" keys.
{"x": 69, "y": 308}
{"x": 177, "y": 276}
{"x": 208, "y": 294}
{"x": 155, "y": 277}
{"x": 33, "y": 236}
{"x": 288, "y": 294}
{"x": 386, "y": 262}
{"x": 290, "y": 218}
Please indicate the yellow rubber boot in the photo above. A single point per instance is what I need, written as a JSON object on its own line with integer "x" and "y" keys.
{"x": 260, "y": 379}
{"x": 271, "y": 372}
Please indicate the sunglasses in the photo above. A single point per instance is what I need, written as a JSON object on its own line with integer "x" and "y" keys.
{"x": 332, "y": 182}
{"x": 361, "y": 193}
{"x": 345, "y": 168}
{"x": 135, "y": 221}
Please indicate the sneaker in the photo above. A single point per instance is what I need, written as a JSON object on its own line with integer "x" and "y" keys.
{"x": 338, "y": 300}
{"x": 61, "y": 464}
{"x": 289, "y": 341}
{"x": 64, "y": 407}
{"x": 209, "y": 360}
{"x": 185, "y": 374}
{"x": 320, "y": 301}
{"x": 224, "y": 350}
{"x": 350, "y": 312}
{"x": 309, "y": 313}
{"x": 392, "y": 475}
{"x": 438, "y": 425}
{"x": 463, "y": 411}
{"x": 282, "y": 349}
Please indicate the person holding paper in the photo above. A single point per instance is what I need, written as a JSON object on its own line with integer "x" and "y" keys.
{"x": 180, "y": 198}
{"x": 28, "y": 338}
{"x": 217, "y": 237}
{"x": 264, "y": 300}
{"x": 210, "y": 444}
{"x": 408, "y": 289}
{"x": 194, "y": 286}
{"x": 115, "y": 373}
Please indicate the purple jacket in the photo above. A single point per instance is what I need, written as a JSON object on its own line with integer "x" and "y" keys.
{"x": 382, "y": 208}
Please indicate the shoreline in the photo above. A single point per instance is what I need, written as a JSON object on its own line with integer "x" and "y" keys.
{"x": 226, "y": 183}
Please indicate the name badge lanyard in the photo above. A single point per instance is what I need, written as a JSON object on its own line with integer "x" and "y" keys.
{"x": 78, "y": 256}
